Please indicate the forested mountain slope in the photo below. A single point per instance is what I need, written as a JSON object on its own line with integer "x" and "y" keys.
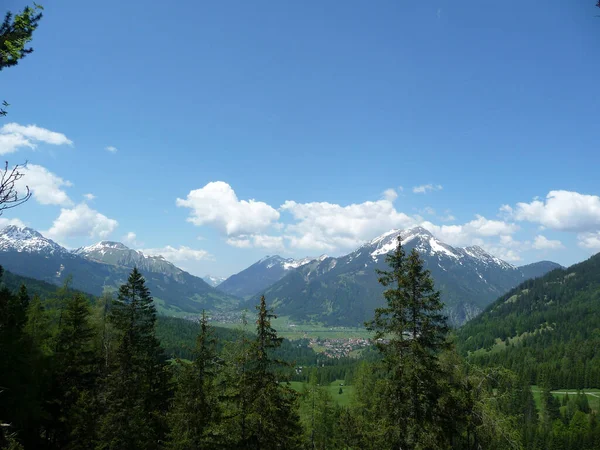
{"x": 547, "y": 329}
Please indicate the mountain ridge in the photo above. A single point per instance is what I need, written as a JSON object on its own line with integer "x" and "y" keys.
{"x": 106, "y": 265}
{"x": 261, "y": 274}
{"x": 345, "y": 291}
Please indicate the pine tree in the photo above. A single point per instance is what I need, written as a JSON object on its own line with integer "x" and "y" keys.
{"x": 269, "y": 419}
{"x": 17, "y": 396}
{"x": 73, "y": 379}
{"x": 411, "y": 333}
{"x": 196, "y": 411}
{"x": 137, "y": 384}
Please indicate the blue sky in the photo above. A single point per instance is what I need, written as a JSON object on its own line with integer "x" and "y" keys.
{"x": 281, "y": 126}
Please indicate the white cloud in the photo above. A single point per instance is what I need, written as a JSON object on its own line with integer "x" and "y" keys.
{"x": 89, "y": 196}
{"x": 111, "y": 149}
{"x": 10, "y": 143}
{"x": 4, "y": 222}
{"x": 179, "y": 254}
{"x": 561, "y": 210}
{"x": 240, "y": 242}
{"x": 81, "y": 221}
{"x": 217, "y": 204}
{"x": 390, "y": 195}
{"x": 589, "y": 240}
{"x": 428, "y": 210}
{"x": 257, "y": 241}
{"x": 130, "y": 239}
{"x": 14, "y": 136}
{"x": 327, "y": 226}
{"x": 45, "y": 186}
{"x": 543, "y": 243}
{"x": 448, "y": 218}
{"x": 423, "y": 189}
{"x": 465, "y": 234}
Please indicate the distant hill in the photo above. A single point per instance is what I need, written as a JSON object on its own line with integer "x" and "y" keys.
{"x": 43, "y": 289}
{"x": 260, "y": 275}
{"x": 547, "y": 328}
{"x": 107, "y": 265}
{"x": 345, "y": 290}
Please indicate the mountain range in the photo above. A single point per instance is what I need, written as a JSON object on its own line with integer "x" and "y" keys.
{"x": 105, "y": 266}
{"x": 334, "y": 291}
{"x": 345, "y": 290}
{"x": 260, "y": 275}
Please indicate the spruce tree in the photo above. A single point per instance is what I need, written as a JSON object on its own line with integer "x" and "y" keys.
{"x": 137, "y": 385}
{"x": 196, "y": 411}
{"x": 17, "y": 395}
{"x": 75, "y": 368}
{"x": 411, "y": 333}
{"x": 269, "y": 417}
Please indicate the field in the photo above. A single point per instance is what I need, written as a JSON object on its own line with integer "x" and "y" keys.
{"x": 288, "y": 329}
{"x": 593, "y": 396}
{"x": 342, "y": 399}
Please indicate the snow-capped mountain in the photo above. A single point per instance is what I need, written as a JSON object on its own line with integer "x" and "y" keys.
{"x": 118, "y": 254}
{"x": 106, "y": 265}
{"x": 261, "y": 275}
{"x": 213, "y": 281}
{"x": 22, "y": 239}
{"x": 345, "y": 290}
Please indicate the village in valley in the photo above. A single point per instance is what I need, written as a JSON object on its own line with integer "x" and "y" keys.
{"x": 339, "y": 348}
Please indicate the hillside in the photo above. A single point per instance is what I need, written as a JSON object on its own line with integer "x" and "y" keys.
{"x": 260, "y": 275}
{"x": 546, "y": 328}
{"x": 107, "y": 265}
{"x": 345, "y": 290}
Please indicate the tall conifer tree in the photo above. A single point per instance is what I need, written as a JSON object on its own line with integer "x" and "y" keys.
{"x": 411, "y": 333}
{"x": 137, "y": 386}
{"x": 196, "y": 411}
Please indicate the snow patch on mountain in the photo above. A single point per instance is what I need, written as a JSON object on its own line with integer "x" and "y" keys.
{"x": 101, "y": 247}
{"x": 24, "y": 239}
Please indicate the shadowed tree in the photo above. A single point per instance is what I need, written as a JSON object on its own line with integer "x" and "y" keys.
{"x": 137, "y": 385}
{"x": 196, "y": 411}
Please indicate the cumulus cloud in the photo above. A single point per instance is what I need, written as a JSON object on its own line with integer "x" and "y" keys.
{"x": 45, "y": 186}
{"x": 111, "y": 149}
{"x": 390, "y": 195}
{"x": 423, "y": 189}
{"x": 480, "y": 227}
{"x": 81, "y": 221}
{"x": 589, "y": 240}
{"x": 89, "y": 196}
{"x": 543, "y": 243}
{"x": 257, "y": 241}
{"x": 4, "y": 222}
{"x": 14, "y": 136}
{"x": 217, "y": 204}
{"x": 130, "y": 239}
{"x": 327, "y": 226}
{"x": 561, "y": 210}
{"x": 179, "y": 254}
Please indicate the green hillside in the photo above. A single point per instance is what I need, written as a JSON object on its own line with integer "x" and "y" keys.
{"x": 547, "y": 329}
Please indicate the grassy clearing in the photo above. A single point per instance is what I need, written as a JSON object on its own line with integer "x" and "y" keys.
{"x": 342, "y": 399}
{"x": 291, "y": 330}
{"x": 593, "y": 396}
{"x": 286, "y": 328}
